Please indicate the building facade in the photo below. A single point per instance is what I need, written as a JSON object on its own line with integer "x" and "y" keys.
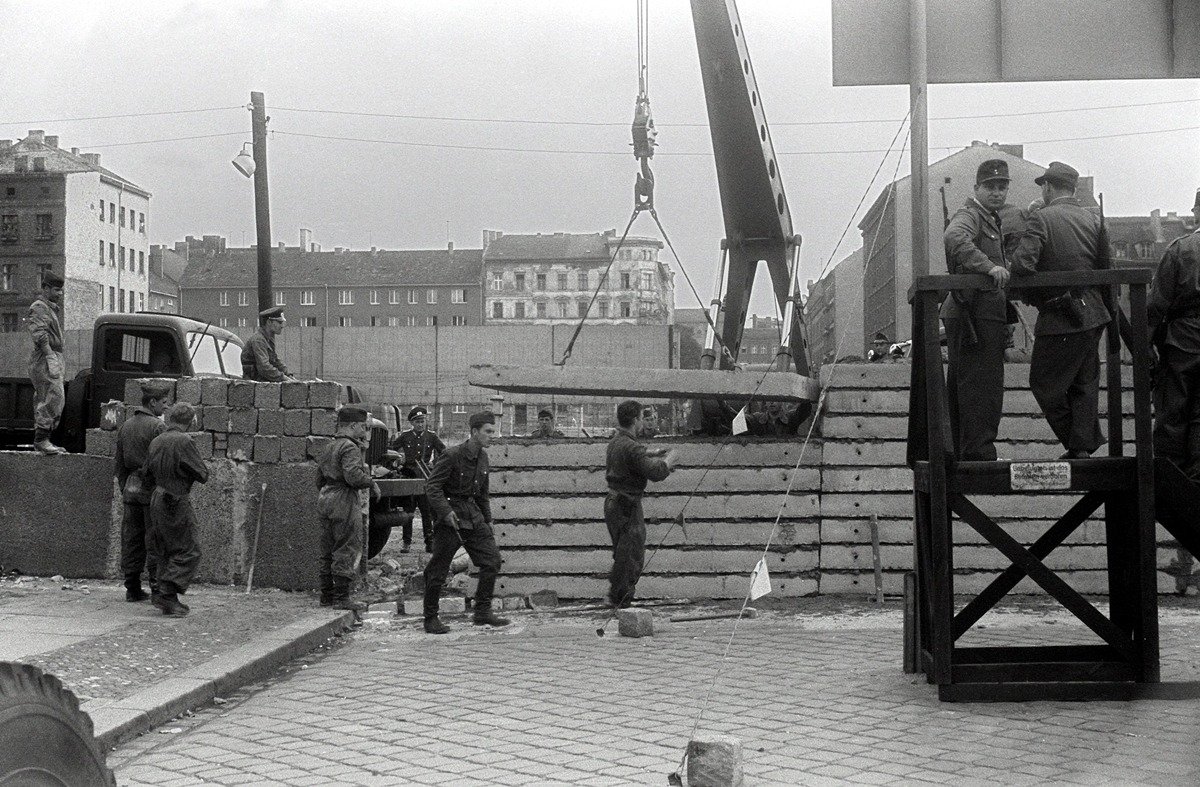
{"x": 542, "y": 279}
{"x": 340, "y": 288}
{"x": 833, "y": 312}
{"x": 61, "y": 211}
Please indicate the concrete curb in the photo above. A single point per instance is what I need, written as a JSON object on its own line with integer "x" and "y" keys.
{"x": 115, "y": 721}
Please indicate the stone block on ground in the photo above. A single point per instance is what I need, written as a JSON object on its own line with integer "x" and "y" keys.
{"x": 293, "y": 395}
{"x": 714, "y": 761}
{"x": 243, "y": 420}
{"x": 315, "y": 446}
{"x": 270, "y": 422}
{"x": 266, "y": 396}
{"x": 215, "y": 418}
{"x": 296, "y": 423}
{"x": 266, "y": 449}
{"x": 241, "y": 393}
{"x": 188, "y": 390}
{"x": 240, "y": 447}
{"x": 452, "y": 605}
{"x": 635, "y": 623}
{"x": 292, "y": 449}
{"x": 325, "y": 395}
{"x": 214, "y": 391}
{"x": 324, "y": 422}
{"x": 412, "y": 606}
{"x": 543, "y": 599}
{"x": 512, "y": 602}
{"x": 100, "y": 442}
{"x": 203, "y": 442}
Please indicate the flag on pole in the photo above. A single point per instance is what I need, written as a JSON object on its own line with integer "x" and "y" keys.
{"x": 739, "y": 422}
{"x": 760, "y": 580}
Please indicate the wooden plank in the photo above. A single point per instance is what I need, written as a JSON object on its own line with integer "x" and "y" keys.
{"x": 1101, "y": 473}
{"x": 1045, "y": 671}
{"x": 1012, "y": 654}
{"x": 657, "y": 383}
{"x": 685, "y": 481}
{"x": 1147, "y": 600}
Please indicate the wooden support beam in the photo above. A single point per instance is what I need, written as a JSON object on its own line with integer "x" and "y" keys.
{"x": 647, "y": 383}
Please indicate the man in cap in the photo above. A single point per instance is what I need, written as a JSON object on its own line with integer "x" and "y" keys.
{"x": 343, "y": 477}
{"x": 133, "y": 446}
{"x": 173, "y": 464}
{"x": 46, "y": 367}
{"x": 545, "y": 428}
{"x": 976, "y": 321}
{"x": 1174, "y": 321}
{"x": 1064, "y": 369}
{"x": 260, "y": 362}
{"x": 421, "y": 448}
{"x": 458, "y": 495}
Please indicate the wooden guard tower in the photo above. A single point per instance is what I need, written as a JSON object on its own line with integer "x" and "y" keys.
{"x": 1127, "y": 654}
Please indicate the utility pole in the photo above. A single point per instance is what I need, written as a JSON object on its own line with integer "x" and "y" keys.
{"x": 918, "y": 96}
{"x": 262, "y": 204}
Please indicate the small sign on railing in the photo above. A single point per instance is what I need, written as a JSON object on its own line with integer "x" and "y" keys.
{"x": 1026, "y": 476}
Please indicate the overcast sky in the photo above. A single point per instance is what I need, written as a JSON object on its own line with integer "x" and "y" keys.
{"x": 529, "y": 60}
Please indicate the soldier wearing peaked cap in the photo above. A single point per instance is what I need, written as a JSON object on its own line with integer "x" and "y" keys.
{"x": 260, "y": 362}
{"x": 421, "y": 448}
{"x": 133, "y": 446}
{"x": 977, "y": 321}
{"x": 46, "y": 367}
{"x": 1174, "y": 321}
{"x": 343, "y": 479}
{"x": 1064, "y": 369}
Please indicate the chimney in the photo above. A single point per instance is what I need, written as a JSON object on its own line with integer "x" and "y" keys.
{"x": 1172, "y": 216}
{"x": 74, "y": 151}
{"x": 91, "y": 158}
{"x": 374, "y": 251}
{"x": 450, "y": 246}
{"x": 305, "y": 239}
{"x": 1156, "y": 233}
{"x": 52, "y": 141}
{"x": 281, "y": 246}
{"x": 36, "y": 135}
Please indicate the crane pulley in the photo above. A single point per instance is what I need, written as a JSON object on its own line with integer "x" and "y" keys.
{"x": 644, "y": 133}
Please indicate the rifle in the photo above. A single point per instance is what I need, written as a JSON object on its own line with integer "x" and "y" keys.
{"x": 961, "y": 297}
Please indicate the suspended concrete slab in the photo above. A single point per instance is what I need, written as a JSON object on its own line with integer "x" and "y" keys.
{"x": 648, "y": 383}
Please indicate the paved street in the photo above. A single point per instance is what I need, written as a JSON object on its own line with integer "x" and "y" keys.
{"x": 815, "y": 697}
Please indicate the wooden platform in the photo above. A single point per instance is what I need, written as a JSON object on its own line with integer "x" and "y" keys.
{"x": 647, "y": 383}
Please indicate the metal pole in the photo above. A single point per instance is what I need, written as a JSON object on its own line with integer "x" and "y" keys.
{"x": 708, "y": 360}
{"x": 784, "y": 358}
{"x": 918, "y": 89}
{"x": 262, "y": 204}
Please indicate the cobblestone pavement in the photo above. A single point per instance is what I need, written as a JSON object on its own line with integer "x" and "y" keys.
{"x": 814, "y": 698}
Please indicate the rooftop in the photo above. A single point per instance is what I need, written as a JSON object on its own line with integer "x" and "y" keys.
{"x": 294, "y": 268}
{"x": 560, "y": 246}
{"x": 57, "y": 160}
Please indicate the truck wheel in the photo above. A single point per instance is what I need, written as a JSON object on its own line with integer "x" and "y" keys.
{"x": 380, "y": 531}
{"x": 44, "y": 738}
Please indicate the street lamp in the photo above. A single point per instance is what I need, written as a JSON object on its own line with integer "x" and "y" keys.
{"x": 244, "y": 162}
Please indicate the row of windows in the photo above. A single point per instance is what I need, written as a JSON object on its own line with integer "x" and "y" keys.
{"x": 10, "y": 227}
{"x": 344, "y": 321}
{"x": 112, "y": 258}
{"x": 9, "y": 322}
{"x": 112, "y": 216}
{"x": 520, "y": 311}
{"x": 8, "y": 275}
{"x": 346, "y": 297}
{"x": 120, "y": 300}
{"x": 583, "y": 281}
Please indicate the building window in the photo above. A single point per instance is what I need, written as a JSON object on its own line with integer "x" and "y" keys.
{"x": 458, "y": 319}
{"x": 603, "y": 308}
{"x": 647, "y": 280}
{"x": 141, "y": 263}
{"x": 121, "y": 256}
{"x": 562, "y": 281}
{"x": 223, "y": 300}
{"x": 141, "y": 301}
{"x": 101, "y": 254}
{"x": 223, "y": 322}
{"x": 497, "y": 281}
{"x": 120, "y": 300}
{"x": 410, "y": 321}
{"x": 458, "y": 296}
{"x": 519, "y": 279}
{"x": 131, "y": 294}
{"x": 306, "y": 298}
{"x": 10, "y": 323}
{"x": 583, "y": 308}
{"x": 583, "y": 280}
{"x": 122, "y": 217}
{"x": 101, "y": 211}
{"x": 345, "y": 298}
{"x": 376, "y": 322}
{"x": 393, "y": 322}
{"x": 132, "y": 261}
{"x": 10, "y": 228}
{"x": 44, "y": 228}
{"x": 243, "y": 298}
{"x": 112, "y": 213}
{"x": 346, "y": 322}
{"x": 241, "y": 322}
{"x": 8, "y": 277}
{"x": 414, "y": 296}
{"x": 308, "y": 322}
{"x": 280, "y": 299}
{"x": 142, "y": 223}
{"x": 519, "y": 310}
{"x": 431, "y": 296}
{"x": 430, "y": 321}
{"x": 374, "y": 299}
{"x": 541, "y": 281}
{"x": 540, "y": 309}
{"x": 626, "y": 309}
{"x": 562, "y": 308}
{"x": 460, "y": 409}
{"x": 497, "y": 310}
{"x": 393, "y": 297}
{"x": 625, "y": 282}
{"x": 112, "y": 255}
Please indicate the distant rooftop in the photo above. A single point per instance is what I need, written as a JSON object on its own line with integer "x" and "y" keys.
{"x": 37, "y": 145}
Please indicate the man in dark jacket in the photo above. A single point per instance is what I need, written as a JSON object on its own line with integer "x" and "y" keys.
{"x": 545, "y": 428}
{"x": 343, "y": 479}
{"x": 421, "y": 448}
{"x": 462, "y": 511}
{"x": 976, "y": 321}
{"x": 133, "y": 445}
{"x": 629, "y": 467}
{"x": 1064, "y": 370}
{"x": 1174, "y": 317}
{"x": 260, "y": 362}
{"x": 173, "y": 464}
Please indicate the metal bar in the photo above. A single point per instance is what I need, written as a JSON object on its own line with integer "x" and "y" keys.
{"x": 709, "y": 359}
{"x": 784, "y": 356}
{"x": 875, "y": 560}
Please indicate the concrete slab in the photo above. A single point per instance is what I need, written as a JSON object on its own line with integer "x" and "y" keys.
{"x": 67, "y": 626}
{"x": 17, "y": 645}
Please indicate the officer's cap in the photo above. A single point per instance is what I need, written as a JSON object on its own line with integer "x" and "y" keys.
{"x": 273, "y": 313}
{"x": 992, "y": 169}
{"x": 155, "y": 389}
{"x": 417, "y": 412}
{"x": 479, "y": 419}
{"x": 545, "y": 414}
{"x": 351, "y": 414}
{"x": 52, "y": 279}
{"x": 1059, "y": 174}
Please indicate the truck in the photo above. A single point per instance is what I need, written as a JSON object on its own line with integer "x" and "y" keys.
{"x": 124, "y": 347}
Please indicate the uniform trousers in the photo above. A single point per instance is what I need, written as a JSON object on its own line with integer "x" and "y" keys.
{"x": 627, "y": 528}
{"x": 172, "y": 540}
{"x": 480, "y": 544}
{"x": 46, "y": 374}
{"x": 975, "y": 382}
{"x": 1064, "y": 374}
{"x": 415, "y": 503}
{"x": 1177, "y": 409}
{"x": 341, "y": 545}
{"x": 135, "y": 537}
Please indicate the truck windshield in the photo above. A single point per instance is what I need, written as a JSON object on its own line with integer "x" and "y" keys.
{"x": 208, "y": 352}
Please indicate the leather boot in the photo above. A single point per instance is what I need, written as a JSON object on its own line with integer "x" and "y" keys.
{"x": 133, "y": 588}
{"x": 341, "y": 596}
{"x": 168, "y": 601}
{"x": 485, "y": 617}
{"x": 434, "y": 625}
{"x": 326, "y": 590}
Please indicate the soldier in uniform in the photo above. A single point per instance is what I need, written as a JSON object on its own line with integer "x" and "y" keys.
{"x": 976, "y": 322}
{"x": 545, "y": 427}
{"x": 46, "y": 366}
{"x": 342, "y": 477}
{"x": 1174, "y": 319}
{"x": 421, "y": 448}
{"x": 1064, "y": 369}
{"x": 133, "y": 446}
{"x": 629, "y": 467}
{"x": 259, "y": 359}
{"x": 173, "y": 464}
{"x": 458, "y": 495}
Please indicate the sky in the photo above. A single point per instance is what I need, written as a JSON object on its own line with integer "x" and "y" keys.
{"x": 405, "y": 182}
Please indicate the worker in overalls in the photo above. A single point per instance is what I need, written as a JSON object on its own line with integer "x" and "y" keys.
{"x": 46, "y": 367}
{"x": 344, "y": 481}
